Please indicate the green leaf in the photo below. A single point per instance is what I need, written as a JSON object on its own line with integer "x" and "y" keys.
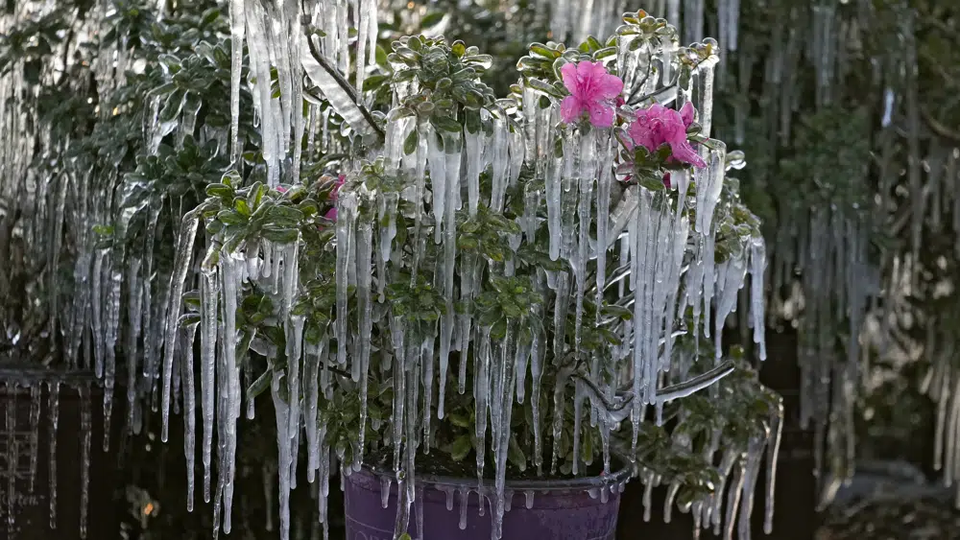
{"x": 515, "y": 454}
{"x": 258, "y": 386}
{"x": 373, "y": 82}
{"x": 431, "y": 19}
{"x": 172, "y": 106}
{"x": 382, "y": 59}
{"x": 542, "y": 51}
{"x": 446, "y": 123}
{"x": 459, "y": 420}
{"x": 411, "y": 142}
{"x": 220, "y": 190}
{"x": 280, "y": 236}
{"x": 188, "y": 319}
{"x": 241, "y": 206}
{"x": 545, "y": 87}
{"x": 461, "y": 447}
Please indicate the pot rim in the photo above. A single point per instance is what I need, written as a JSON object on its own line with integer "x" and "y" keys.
{"x": 622, "y": 473}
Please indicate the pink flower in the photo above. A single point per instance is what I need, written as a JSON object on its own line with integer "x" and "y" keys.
{"x": 332, "y": 213}
{"x": 659, "y": 125}
{"x": 281, "y": 189}
{"x": 592, "y": 90}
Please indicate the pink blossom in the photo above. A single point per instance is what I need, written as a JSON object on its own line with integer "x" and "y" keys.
{"x": 660, "y": 125}
{"x": 332, "y": 213}
{"x": 592, "y": 90}
{"x": 281, "y": 189}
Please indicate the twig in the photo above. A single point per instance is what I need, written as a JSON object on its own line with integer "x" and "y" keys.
{"x": 346, "y": 86}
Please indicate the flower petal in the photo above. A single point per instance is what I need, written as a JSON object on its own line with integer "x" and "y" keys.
{"x": 569, "y": 75}
{"x": 687, "y": 113}
{"x": 570, "y": 109}
{"x": 644, "y": 133}
{"x": 609, "y": 86}
{"x": 685, "y": 153}
{"x": 601, "y": 115}
{"x": 331, "y": 214}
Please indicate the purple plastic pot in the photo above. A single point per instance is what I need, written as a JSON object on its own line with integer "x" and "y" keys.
{"x": 580, "y": 509}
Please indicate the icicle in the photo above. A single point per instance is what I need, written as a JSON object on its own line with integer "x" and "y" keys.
{"x": 451, "y": 185}
{"x": 536, "y": 372}
{"x": 577, "y": 415}
{"x": 587, "y": 173}
{"x": 734, "y": 491}
{"x": 752, "y": 472}
{"x": 237, "y": 31}
{"x": 604, "y": 184}
{"x": 727, "y": 462}
{"x": 13, "y": 456}
{"x": 258, "y": 44}
{"x": 464, "y": 503}
{"x": 181, "y": 265}
{"x": 86, "y": 431}
{"x": 346, "y": 215}
{"x": 285, "y": 453}
{"x": 111, "y": 328}
{"x": 311, "y": 395}
{"x": 53, "y": 413}
{"x": 97, "y": 312}
{"x": 693, "y": 21}
{"x": 552, "y": 195}
{"x": 134, "y": 318}
{"x": 230, "y": 266}
{"x": 189, "y": 410}
{"x": 773, "y": 451}
{"x": 730, "y": 277}
{"x": 758, "y": 263}
{"x": 419, "y": 503}
{"x": 209, "y": 294}
{"x": 385, "y": 482}
{"x": 559, "y": 391}
{"x": 35, "y": 402}
{"x": 647, "y": 496}
{"x": 668, "y": 503}
{"x": 364, "y": 253}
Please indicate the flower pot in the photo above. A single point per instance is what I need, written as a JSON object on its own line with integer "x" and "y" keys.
{"x": 578, "y": 509}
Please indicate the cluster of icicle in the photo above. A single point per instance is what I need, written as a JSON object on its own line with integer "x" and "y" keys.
{"x": 575, "y": 20}
{"x": 839, "y": 287}
{"x": 653, "y": 248}
{"x": 942, "y": 382}
{"x": 728, "y": 510}
{"x": 43, "y": 221}
{"x": 648, "y": 237}
{"x": 22, "y": 440}
{"x": 120, "y": 298}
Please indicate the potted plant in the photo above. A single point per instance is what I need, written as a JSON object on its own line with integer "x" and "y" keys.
{"x": 476, "y": 300}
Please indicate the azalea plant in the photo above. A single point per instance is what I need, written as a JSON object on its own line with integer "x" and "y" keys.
{"x": 496, "y": 258}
